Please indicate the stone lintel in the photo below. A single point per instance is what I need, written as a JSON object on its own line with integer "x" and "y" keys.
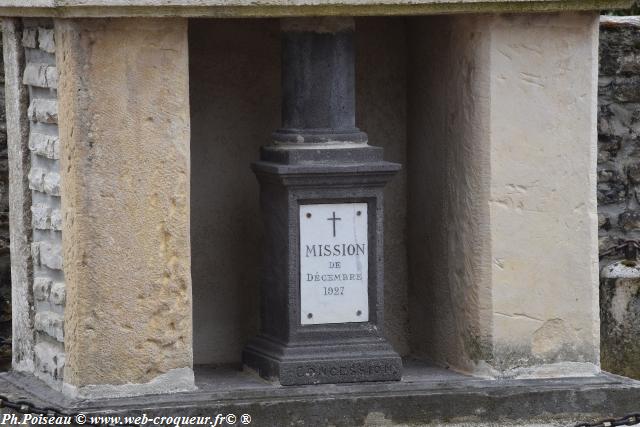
{"x": 289, "y": 8}
{"x": 124, "y": 132}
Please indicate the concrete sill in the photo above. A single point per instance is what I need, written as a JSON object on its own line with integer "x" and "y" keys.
{"x": 425, "y": 395}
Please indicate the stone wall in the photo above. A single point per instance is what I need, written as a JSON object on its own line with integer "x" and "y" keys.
{"x": 619, "y": 192}
{"x": 619, "y": 133}
{"x": 41, "y": 77}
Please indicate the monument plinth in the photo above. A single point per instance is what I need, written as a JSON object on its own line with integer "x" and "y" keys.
{"x": 322, "y": 204}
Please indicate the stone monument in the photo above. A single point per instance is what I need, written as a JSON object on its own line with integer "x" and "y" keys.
{"x": 321, "y": 197}
{"x": 131, "y": 125}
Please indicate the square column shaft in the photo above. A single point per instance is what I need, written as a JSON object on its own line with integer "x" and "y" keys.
{"x": 124, "y": 127}
{"x": 504, "y": 217}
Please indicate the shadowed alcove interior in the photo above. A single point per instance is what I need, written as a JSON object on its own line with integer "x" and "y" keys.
{"x": 235, "y": 106}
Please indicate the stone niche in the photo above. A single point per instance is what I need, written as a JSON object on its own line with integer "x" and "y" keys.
{"x": 235, "y": 106}
{"x": 490, "y": 266}
{"x": 152, "y": 124}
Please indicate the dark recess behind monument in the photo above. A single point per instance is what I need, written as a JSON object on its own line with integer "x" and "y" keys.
{"x": 235, "y": 106}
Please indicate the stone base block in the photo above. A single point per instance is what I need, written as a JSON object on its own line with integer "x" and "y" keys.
{"x": 373, "y": 360}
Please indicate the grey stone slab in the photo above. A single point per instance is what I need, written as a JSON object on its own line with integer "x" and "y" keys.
{"x": 426, "y": 395}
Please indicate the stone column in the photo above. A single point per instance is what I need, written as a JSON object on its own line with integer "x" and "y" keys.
{"x": 17, "y": 102}
{"x": 124, "y": 130}
{"x": 318, "y": 82}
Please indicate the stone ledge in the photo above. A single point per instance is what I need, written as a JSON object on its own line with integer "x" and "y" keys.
{"x": 619, "y": 21}
{"x": 425, "y": 395}
{"x": 279, "y": 8}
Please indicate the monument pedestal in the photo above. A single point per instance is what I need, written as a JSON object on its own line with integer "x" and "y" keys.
{"x": 322, "y": 293}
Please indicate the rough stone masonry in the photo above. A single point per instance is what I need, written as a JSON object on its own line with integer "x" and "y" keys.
{"x": 36, "y": 240}
{"x": 41, "y": 78}
{"x": 619, "y": 192}
{"x": 619, "y": 132}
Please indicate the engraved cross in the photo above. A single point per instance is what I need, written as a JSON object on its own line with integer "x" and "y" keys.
{"x": 334, "y": 219}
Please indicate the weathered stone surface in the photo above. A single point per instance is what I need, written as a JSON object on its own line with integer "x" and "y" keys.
{"x": 41, "y": 75}
{"x": 626, "y": 89}
{"x": 253, "y": 8}
{"x": 49, "y": 361}
{"x": 503, "y": 221}
{"x": 142, "y": 308}
{"x": 36, "y": 179}
{"x": 629, "y": 220}
{"x": 5, "y": 261}
{"x": 45, "y": 145}
{"x": 35, "y": 253}
{"x": 620, "y": 317}
{"x": 44, "y": 181}
{"x": 452, "y": 400}
{"x": 41, "y": 288}
{"x": 58, "y": 293}
{"x": 41, "y": 216}
{"x": 619, "y": 132}
{"x": 51, "y": 184}
{"x": 17, "y": 99}
{"x": 51, "y": 255}
{"x": 50, "y": 323}
{"x": 604, "y": 243}
{"x": 43, "y": 111}
{"x": 30, "y": 38}
{"x": 46, "y": 40}
{"x": 56, "y": 220}
{"x": 611, "y": 192}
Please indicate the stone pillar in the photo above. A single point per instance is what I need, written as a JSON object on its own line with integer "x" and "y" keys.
{"x": 17, "y": 102}
{"x": 504, "y": 245}
{"x": 620, "y": 317}
{"x": 124, "y": 130}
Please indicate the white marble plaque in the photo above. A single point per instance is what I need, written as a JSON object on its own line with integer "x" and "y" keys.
{"x": 334, "y": 263}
